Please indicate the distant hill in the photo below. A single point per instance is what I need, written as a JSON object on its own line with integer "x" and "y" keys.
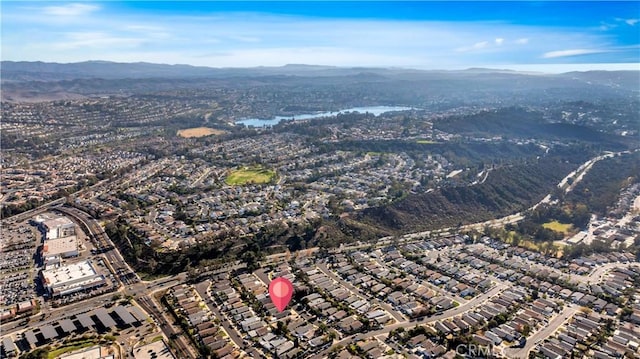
{"x": 624, "y": 79}
{"x": 39, "y": 81}
{"x": 46, "y": 71}
{"x": 50, "y": 71}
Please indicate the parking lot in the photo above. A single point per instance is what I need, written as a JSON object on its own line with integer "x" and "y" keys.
{"x": 18, "y": 243}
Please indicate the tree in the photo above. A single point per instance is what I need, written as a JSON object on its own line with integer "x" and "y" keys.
{"x": 534, "y": 294}
{"x": 281, "y": 328}
{"x": 251, "y": 259}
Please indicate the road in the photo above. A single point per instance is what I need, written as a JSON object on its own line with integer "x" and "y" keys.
{"x": 519, "y": 216}
{"x": 183, "y": 346}
{"x": 202, "y": 289}
{"x": 30, "y": 213}
{"x": 202, "y": 177}
{"x": 140, "y": 290}
{"x": 397, "y": 316}
{"x": 128, "y": 280}
{"x": 472, "y": 304}
{"x": 122, "y": 269}
{"x": 89, "y": 304}
{"x": 597, "y": 276}
{"x": 49, "y": 205}
{"x": 542, "y": 334}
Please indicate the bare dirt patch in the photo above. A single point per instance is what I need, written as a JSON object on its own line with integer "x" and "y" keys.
{"x": 199, "y": 132}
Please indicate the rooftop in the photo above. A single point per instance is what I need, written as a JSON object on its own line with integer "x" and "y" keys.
{"x": 57, "y": 222}
{"x": 158, "y": 348}
{"x": 69, "y": 273}
{"x": 58, "y": 246}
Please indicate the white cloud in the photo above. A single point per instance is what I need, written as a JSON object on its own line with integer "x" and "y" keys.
{"x": 570, "y": 52}
{"x": 145, "y": 28}
{"x": 560, "y": 68}
{"x": 76, "y": 40}
{"x": 477, "y": 46}
{"x": 75, "y": 9}
{"x": 260, "y": 39}
{"x": 632, "y": 22}
{"x": 149, "y": 31}
{"x": 480, "y": 45}
{"x": 248, "y": 39}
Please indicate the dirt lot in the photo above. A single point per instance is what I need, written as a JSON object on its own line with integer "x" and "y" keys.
{"x": 199, "y": 132}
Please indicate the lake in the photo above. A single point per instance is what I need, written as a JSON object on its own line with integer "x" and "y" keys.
{"x": 375, "y": 110}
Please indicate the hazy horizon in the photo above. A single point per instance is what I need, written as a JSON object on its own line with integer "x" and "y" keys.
{"x": 522, "y": 36}
{"x": 525, "y": 68}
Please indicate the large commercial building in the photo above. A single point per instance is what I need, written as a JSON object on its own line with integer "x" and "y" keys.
{"x": 71, "y": 278}
{"x": 64, "y": 247}
{"x": 96, "y": 352}
{"x": 57, "y": 227}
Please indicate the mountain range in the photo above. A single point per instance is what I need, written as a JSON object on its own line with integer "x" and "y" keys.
{"x": 48, "y": 81}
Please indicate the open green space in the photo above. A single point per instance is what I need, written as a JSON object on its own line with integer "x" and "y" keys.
{"x": 70, "y": 348}
{"x": 558, "y": 227}
{"x": 426, "y": 142}
{"x": 250, "y": 175}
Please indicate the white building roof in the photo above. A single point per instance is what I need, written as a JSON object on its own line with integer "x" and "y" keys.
{"x": 88, "y": 353}
{"x": 60, "y": 246}
{"x": 158, "y": 348}
{"x": 72, "y": 277}
{"x": 58, "y": 222}
{"x": 69, "y": 273}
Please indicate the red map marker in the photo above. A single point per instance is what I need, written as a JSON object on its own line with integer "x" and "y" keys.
{"x": 280, "y": 291}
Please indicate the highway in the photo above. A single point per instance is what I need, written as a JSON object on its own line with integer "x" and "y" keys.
{"x": 130, "y": 283}
{"x": 30, "y": 213}
{"x": 49, "y": 205}
{"x": 183, "y": 346}
{"x": 101, "y": 240}
{"x": 519, "y": 216}
{"x": 142, "y": 292}
{"x": 128, "y": 280}
{"x": 86, "y": 305}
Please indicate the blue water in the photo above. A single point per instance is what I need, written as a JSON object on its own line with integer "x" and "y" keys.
{"x": 375, "y": 110}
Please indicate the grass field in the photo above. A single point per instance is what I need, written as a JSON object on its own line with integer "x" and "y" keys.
{"x": 70, "y": 348}
{"x": 199, "y": 132}
{"x": 426, "y": 142}
{"x": 250, "y": 175}
{"x": 558, "y": 227}
{"x": 533, "y": 246}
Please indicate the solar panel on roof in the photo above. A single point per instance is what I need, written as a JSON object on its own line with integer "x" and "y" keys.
{"x": 8, "y": 345}
{"x": 105, "y": 318}
{"x": 31, "y": 337}
{"x": 48, "y": 332}
{"x": 137, "y": 313}
{"x": 124, "y": 315}
{"x": 67, "y": 325}
{"x": 85, "y": 320}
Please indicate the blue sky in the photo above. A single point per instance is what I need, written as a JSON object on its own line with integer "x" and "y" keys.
{"x": 546, "y": 36}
